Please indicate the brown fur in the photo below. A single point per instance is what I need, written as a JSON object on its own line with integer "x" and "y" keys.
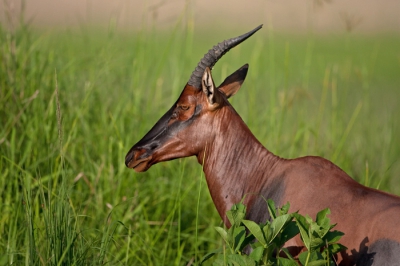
{"x": 237, "y": 165}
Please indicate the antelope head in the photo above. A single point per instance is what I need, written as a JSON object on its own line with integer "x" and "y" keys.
{"x": 193, "y": 120}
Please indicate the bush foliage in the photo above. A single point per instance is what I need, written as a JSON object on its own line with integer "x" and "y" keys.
{"x": 267, "y": 240}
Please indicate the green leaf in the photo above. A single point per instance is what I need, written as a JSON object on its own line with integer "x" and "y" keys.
{"x": 303, "y": 226}
{"x": 241, "y": 260}
{"x": 335, "y": 248}
{"x": 318, "y": 231}
{"x": 321, "y": 219}
{"x": 286, "y": 262}
{"x": 239, "y": 235}
{"x": 257, "y": 253}
{"x": 317, "y": 263}
{"x": 315, "y": 257}
{"x": 303, "y": 257}
{"x": 267, "y": 231}
{"x": 286, "y": 251}
{"x": 236, "y": 214}
{"x": 220, "y": 261}
{"x": 247, "y": 241}
{"x": 316, "y": 243}
{"x": 223, "y": 234}
{"x": 255, "y": 229}
{"x": 333, "y": 236}
{"x": 271, "y": 208}
{"x": 323, "y": 222}
{"x": 290, "y": 230}
{"x": 278, "y": 224}
{"x": 210, "y": 255}
{"x": 285, "y": 209}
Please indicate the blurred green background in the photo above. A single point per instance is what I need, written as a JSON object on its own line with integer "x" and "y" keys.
{"x": 79, "y": 88}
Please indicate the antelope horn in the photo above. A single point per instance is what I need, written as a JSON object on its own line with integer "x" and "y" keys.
{"x": 214, "y": 54}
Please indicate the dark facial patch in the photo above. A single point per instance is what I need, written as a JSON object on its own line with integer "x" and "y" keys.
{"x": 162, "y": 131}
{"x": 178, "y": 125}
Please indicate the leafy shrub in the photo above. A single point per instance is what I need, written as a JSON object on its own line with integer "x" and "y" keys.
{"x": 267, "y": 239}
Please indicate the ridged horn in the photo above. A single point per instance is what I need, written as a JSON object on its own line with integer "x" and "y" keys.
{"x": 214, "y": 54}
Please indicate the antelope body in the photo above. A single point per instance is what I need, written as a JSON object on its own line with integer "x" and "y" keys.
{"x": 204, "y": 124}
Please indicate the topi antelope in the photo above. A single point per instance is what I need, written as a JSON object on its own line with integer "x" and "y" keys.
{"x": 204, "y": 124}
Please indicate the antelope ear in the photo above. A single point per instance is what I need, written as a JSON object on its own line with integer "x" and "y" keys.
{"x": 232, "y": 84}
{"x": 208, "y": 86}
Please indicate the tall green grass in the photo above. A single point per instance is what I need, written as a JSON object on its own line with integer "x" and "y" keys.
{"x": 68, "y": 199}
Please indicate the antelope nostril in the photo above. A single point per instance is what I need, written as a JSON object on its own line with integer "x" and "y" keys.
{"x": 153, "y": 146}
{"x": 129, "y": 157}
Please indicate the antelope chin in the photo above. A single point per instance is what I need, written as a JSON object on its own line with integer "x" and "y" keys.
{"x": 140, "y": 165}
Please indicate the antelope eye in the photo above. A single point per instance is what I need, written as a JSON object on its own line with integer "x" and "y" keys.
{"x": 184, "y": 107}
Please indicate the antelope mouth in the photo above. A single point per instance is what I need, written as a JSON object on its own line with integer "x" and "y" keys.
{"x": 139, "y": 165}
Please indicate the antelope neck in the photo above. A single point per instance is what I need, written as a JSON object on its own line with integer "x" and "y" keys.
{"x": 236, "y": 165}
